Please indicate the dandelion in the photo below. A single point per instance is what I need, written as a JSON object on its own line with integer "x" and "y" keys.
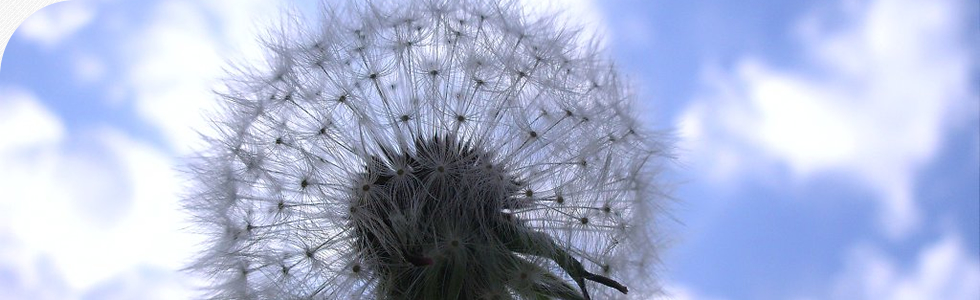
{"x": 431, "y": 149}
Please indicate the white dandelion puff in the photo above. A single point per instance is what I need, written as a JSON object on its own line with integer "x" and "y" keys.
{"x": 432, "y": 149}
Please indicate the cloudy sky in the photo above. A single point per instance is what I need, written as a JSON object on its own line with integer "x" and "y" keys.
{"x": 826, "y": 149}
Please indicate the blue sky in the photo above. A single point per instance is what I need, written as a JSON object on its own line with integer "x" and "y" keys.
{"x": 826, "y": 149}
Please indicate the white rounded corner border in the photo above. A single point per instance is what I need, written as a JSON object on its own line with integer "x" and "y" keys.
{"x": 12, "y": 14}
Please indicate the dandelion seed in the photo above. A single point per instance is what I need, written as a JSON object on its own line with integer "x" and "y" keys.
{"x": 430, "y": 149}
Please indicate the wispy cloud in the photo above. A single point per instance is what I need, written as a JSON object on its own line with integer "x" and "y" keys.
{"x": 23, "y": 272}
{"x": 179, "y": 58}
{"x": 872, "y": 101}
{"x": 89, "y": 68}
{"x": 50, "y": 25}
{"x": 583, "y": 15}
{"x": 110, "y": 196}
{"x": 86, "y": 207}
{"x": 21, "y": 109}
{"x": 677, "y": 291}
{"x": 943, "y": 269}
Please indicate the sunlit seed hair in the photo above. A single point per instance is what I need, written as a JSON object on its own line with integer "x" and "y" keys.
{"x": 432, "y": 149}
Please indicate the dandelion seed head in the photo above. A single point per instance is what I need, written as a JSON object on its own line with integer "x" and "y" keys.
{"x": 431, "y": 149}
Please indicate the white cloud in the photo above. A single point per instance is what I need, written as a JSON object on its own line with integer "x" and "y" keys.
{"x": 681, "y": 292}
{"x": 34, "y": 276}
{"x": 22, "y": 152}
{"x": 175, "y": 65}
{"x": 52, "y": 24}
{"x": 142, "y": 283}
{"x": 88, "y": 68}
{"x": 942, "y": 270}
{"x": 179, "y": 58}
{"x": 873, "y": 102}
{"x": 85, "y": 208}
{"x": 581, "y": 14}
{"x": 21, "y": 110}
{"x": 14, "y": 13}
